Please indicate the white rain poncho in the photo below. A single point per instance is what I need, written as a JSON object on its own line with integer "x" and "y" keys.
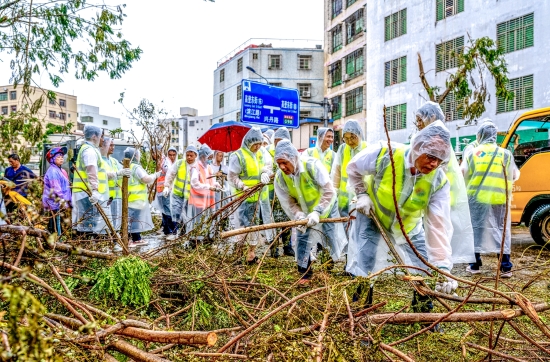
{"x": 269, "y": 134}
{"x": 338, "y": 173}
{"x": 485, "y": 183}
{"x": 222, "y": 180}
{"x": 281, "y": 134}
{"x": 115, "y": 182}
{"x": 139, "y": 212}
{"x": 327, "y": 156}
{"x": 250, "y": 211}
{"x": 462, "y": 241}
{"x": 309, "y": 170}
{"x": 163, "y": 202}
{"x": 179, "y": 206}
{"x": 85, "y": 216}
{"x": 3, "y": 213}
{"x": 430, "y": 229}
{"x": 202, "y": 197}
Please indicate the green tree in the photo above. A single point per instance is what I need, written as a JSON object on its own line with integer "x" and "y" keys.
{"x": 481, "y": 56}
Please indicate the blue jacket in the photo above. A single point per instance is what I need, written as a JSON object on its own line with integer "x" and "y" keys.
{"x": 20, "y": 178}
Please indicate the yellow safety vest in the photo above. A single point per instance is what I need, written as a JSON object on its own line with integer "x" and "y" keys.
{"x": 307, "y": 191}
{"x": 112, "y": 165}
{"x": 182, "y": 185}
{"x": 251, "y": 169}
{"x": 381, "y": 192}
{"x": 81, "y": 177}
{"x": 343, "y": 198}
{"x": 326, "y": 161}
{"x": 271, "y": 150}
{"x": 137, "y": 190}
{"x": 486, "y": 174}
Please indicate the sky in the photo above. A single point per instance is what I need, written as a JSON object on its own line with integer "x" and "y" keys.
{"x": 182, "y": 41}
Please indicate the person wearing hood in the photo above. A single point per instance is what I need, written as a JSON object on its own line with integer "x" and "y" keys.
{"x": 305, "y": 191}
{"x": 91, "y": 185}
{"x": 177, "y": 186}
{"x": 139, "y": 213}
{"x": 490, "y": 172}
{"x": 115, "y": 192}
{"x": 322, "y": 150}
{"x": 57, "y": 190}
{"x": 164, "y": 163}
{"x": 248, "y": 167}
{"x": 462, "y": 241}
{"x": 423, "y": 199}
{"x": 353, "y": 144}
{"x": 219, "y": 169}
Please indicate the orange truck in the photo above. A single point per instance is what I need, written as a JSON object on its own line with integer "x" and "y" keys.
{"x": 529, "y": 140}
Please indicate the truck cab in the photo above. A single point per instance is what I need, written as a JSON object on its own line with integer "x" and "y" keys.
{"x": 529, "y": 141}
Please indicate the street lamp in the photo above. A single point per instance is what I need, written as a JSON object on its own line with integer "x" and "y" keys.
{"x": 258, "y": 74}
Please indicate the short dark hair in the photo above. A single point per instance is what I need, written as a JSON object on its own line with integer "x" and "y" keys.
{"x": 14, "y": 156}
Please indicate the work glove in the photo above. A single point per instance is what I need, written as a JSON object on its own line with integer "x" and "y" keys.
{"x": 301, "y": 216}
{"x": 447, "y": 287}
{"x": 364, "y": 204}
{"x": 126, "y": 172}
{"x": 312, "y": 219}
{"x": 264, "y": 177}
{"x": 94, "y": 199}
{"x": 239, "y": 185}
{"x": 166, "y": 191}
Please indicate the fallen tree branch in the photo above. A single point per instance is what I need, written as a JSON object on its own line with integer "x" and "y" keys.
{"x": 134, "y": 352}
{"x": 228, "y": 355}
{"x": 183, "y": 337}
{"x": 496, "y": 353}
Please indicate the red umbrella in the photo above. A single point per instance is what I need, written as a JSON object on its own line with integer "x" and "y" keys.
{"x": 226, "y": 136}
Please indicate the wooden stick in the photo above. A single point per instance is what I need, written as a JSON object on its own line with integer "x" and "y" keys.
{"x": 496, "y": 353}
{"x": 135, "y": 353}
{"x": 124, "y": 189}
{"x": 228, "y": 355}
{"x": 275, "y": 225}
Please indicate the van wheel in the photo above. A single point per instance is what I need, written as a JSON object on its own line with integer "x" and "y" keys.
{"x": 539, "y": 227}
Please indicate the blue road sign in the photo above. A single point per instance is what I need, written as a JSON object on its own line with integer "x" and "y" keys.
{"x": 269, "y": 105}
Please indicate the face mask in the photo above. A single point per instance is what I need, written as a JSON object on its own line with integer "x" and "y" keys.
{"x": 209, "y": 162}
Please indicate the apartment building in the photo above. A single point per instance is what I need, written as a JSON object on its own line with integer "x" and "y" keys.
{"x": 188, "y": 128}
{"x": 88, "y": 114}
{"x": 288, "y": 63}
{"x": 397, "y": 30}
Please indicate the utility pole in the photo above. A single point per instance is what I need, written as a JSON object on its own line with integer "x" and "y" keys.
{"x": 326, "y": 109}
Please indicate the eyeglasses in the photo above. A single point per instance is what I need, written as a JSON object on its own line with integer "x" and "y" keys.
{"x": 351, "y": 138}
{"x": 433, "y": 159}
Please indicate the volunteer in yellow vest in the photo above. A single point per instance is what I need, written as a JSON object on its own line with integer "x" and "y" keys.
{"x": 462, "y": 241}
{"x": 249, "y": 166}
{"x": 486, "y": 187}
{"x": 219, "y": 169}
{"x": 177, "y": 186}
{"x": 322, "y": 150}
{"x": 305, "y": 190}
{"x": 168, "y": 226}
{"x": 423, "y": 198}
{"x": 139, "y": 212}
{"x": 115, "y": 194}
{"x": 353, "y": 144}
{"x": 92, "y": 176}
{"x": 268, "y": 138}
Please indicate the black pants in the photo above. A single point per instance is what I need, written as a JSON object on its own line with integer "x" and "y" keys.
{"x": 168, "y": 225}
{"x": 136, "y": 236}
{"x": 505, "y": 266}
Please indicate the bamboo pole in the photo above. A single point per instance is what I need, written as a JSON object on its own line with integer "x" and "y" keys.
{"x": 275, "y": 225}
{"x": 124, "y": 221}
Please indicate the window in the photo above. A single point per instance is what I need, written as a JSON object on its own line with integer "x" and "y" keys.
{"x": 13, "y": 95}
{"x": 354, "y": 64}
{"x": 450, "y": 108}
{"x": 221, "y": 101}
{"x": 516, "y": 34}
{"x": 80, "y": 126}
{"x": 53, "y": 115}
{"x": 191, "y": 123}
{"x": 350, "y": 3}
{"x": 337, "y": 38}
{"x": 446, "y": 8}
{"x": 276, "y": 84}
{"x": 172, "y": 132}
{"x": 522, "y": 88}
{"x": 238, "y": 117}
{"x": 62, "y": 116}
{"x": 315, "y": 128}
{"x": 13, "y": 108}
{"x": 52, "y": 101}
{"x": 396, "y": 117}
{"x": 306, "y": 114}
{"x": 4, "y": 110}
{"x": 222, "y": 75}
{"x": 105, "y": 122}
{"x": 62, "y": 103}
{"x": 239, "y": 65}
{"x": 335, "y": 73}
{"x": 305, "y": 90}
{"x": 336, "y": 107}
{"x": 354, "y": 26}
{"x": 254, "y": 56}
{"x": 336, "y": 7}
{"x": 274, "y": 61}
{"x": 304, "y": 62}
{"x": 4, "y": 96}
{"x": 83, "y": 118}
{"x": 446, "y": 53}
{"x": 354, "y": 101}
{"x": 239, "y": 91}
{"x": 395, "y": 71}
{"x": 395, "y": 25}
{"x": 221, "y": 120}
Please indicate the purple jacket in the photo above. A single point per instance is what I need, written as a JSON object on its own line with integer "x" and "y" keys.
{"x": 56, "y": 188}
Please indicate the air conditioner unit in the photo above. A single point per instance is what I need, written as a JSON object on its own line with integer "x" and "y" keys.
{"x": 306, "y": 94}
{"x": 346, "y": 77}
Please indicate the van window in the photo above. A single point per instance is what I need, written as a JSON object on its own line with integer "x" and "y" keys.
{"x": 530, "y": 137}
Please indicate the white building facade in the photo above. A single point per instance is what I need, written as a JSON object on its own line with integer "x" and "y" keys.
{"x": 187, "y": 129}
{"x": 88, "y": 114}
{"x": 296, "y": 64}
{"x": 397, "y": 30}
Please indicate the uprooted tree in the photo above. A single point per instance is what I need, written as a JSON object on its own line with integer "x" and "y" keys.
{"x": 468, "y": 84}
